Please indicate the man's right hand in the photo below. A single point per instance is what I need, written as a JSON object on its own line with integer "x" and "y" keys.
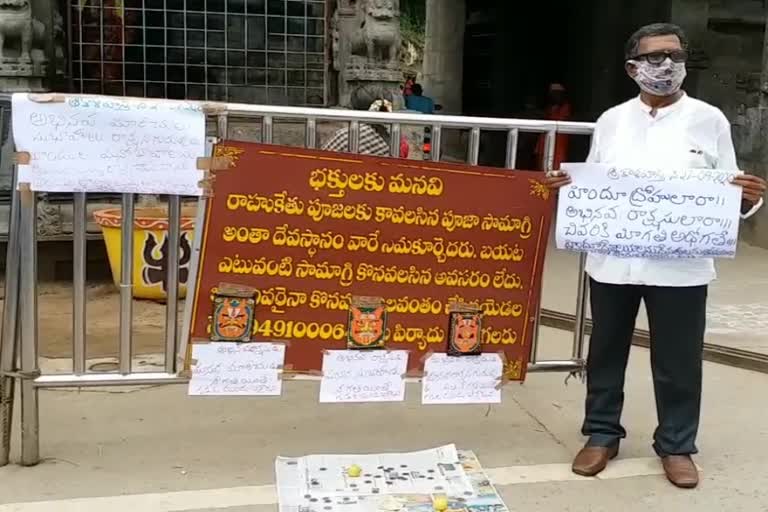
{"x": 557, "y": 179}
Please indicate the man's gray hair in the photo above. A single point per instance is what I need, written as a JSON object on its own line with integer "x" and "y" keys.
{"x": 653, "y": 30}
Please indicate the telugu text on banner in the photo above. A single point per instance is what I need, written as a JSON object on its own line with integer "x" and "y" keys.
{"x": 649, "y": 213}
{"x": 310, "y": 230}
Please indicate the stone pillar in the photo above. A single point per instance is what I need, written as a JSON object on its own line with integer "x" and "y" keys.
{"x": 24, "y": 57}
{"x": 342, "y": 26}
{"x": 757, "y": 227}
{"x": 444, "y": 53}
{"x": 27, "y": 44}
{"x": 22, "y": 64}
{"x": 366, "y": 46}
{"x": 32, "y": 53}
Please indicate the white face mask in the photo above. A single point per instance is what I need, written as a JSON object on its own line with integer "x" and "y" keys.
{"x": 664, "y": 79}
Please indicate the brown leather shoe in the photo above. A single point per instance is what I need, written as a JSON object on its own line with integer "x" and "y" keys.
{"x": 681, "y": 471}
{"x": 591, "y": 460}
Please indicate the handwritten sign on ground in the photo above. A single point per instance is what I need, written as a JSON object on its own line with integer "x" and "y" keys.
{"x": 107, "y": 144}
{"x": 311, "y": 229}
{"x": 363, "y": 376}
{"x": 649, "y": 213}
{"x": 462, "y": 380}
{"x": 248, "y": 369}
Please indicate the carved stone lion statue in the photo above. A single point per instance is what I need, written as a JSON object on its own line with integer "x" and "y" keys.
{"x": 378, "y": 35}
{"x": 16, "y": 22}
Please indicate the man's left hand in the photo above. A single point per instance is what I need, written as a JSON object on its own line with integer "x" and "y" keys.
{"x": 754, "y": 187}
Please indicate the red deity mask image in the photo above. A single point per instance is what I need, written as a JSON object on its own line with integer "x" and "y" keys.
{"x": 467, "y": 333}
{"x": 367, "y": 326}
{"x": 233, "y": 309}
{"x": 367, "y": 323}
{"x": 232, "y": 320}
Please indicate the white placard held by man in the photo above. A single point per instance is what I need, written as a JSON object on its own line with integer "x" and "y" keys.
{"x": 649, "y": 213}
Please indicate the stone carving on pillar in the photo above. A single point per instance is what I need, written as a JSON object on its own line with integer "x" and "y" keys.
{"x": 366, "y": 49}
{"x": 22, "y": 59}
{"x": 59, "y": 40}
{"x": 48, "y": 219}
{"x": 377, "y": 39}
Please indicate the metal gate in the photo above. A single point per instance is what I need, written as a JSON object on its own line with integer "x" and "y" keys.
{"x": 269, "y": 52}
{"x": 19, "y": 349}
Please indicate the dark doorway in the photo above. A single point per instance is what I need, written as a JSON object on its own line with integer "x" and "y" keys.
{"x": 514, "y": 50}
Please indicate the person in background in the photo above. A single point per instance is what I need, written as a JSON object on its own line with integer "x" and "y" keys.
{"x": 558, "y": 109}
{"x": 408, "y": 87}
{"x": 662, "y": 128}
{"x": 374, "y": 139}
{"x": 527, "y": 142}
{"x": 418, "y": 102}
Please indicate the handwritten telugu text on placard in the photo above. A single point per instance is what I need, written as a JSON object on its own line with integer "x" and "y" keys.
{"x": 309, "y": 230}
{"x": 649, "y": 213}
{"x": 363, "y": 376}
{"x": 248, "y": 369}
{"x": 462, "y": 380}
{"x": 104, "y": 144}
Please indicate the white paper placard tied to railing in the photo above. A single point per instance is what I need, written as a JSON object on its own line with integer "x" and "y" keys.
{"x": 107, "y": 144}
{"x": 363, "y": 376}
{"x": 649, "y": 213}
{"x": 462, "y": 380}
{"x": 237, "y": 369}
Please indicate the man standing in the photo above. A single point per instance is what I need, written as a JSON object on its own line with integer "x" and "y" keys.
{"x": 662, "y": 128}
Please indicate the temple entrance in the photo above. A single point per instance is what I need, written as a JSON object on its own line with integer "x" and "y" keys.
{"x": 514, "y": 50}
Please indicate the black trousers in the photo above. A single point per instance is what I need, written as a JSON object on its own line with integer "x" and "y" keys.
{"x": 676, "y": 317}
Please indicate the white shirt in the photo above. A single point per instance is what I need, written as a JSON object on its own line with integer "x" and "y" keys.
{"x": 689, "y": 134}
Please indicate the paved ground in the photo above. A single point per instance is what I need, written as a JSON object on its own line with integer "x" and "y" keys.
{"x": 738, "y": 301}
{"x": 158, "y": 450}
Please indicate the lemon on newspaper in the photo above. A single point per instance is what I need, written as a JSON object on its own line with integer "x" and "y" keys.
{"x": 440, "y": 503}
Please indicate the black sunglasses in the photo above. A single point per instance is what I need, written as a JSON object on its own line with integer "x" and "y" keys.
{"x": 657, "y": 58}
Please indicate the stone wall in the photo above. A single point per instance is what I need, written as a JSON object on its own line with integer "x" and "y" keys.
{"x": 727, "y": 39}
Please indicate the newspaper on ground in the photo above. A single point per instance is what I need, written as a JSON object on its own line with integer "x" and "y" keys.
{"x": 406, "y": 482}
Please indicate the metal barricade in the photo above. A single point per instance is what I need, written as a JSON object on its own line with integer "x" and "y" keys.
{"x": 20, "y": 319}
{"x": 9, "y": 332}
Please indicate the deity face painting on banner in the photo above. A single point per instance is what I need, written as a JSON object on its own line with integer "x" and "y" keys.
{"x": 464, "y": 334}
{"x": 233, "y": 309}
{"x": 367, "y": 323}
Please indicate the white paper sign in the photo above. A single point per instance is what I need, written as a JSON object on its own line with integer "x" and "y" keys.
{"x": 106, "y": 144}
{"x": 363, "y": 376}
{"x": 462, "y": 380}
{"x": 649, "y": 213}
{"x": 237, "y": 369}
